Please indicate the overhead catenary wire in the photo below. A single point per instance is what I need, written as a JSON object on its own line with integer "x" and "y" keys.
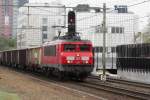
{"x": 49, "y": 6}
{"x": 73, "y": 7}
{"x": 134, "y": 18}
{"x": 135, "y": 4}
{"x": 138, "y": 3}
{"x": 85, "y": 17}
{"x": 75, "y": 2}
{"x": 119, "y": 21}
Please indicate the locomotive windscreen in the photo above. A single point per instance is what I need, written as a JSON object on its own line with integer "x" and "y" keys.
{"x": 84, "y": 47}
{"x": 69, "y": 47}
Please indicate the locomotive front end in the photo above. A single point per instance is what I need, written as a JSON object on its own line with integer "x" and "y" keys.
{"x": 77, "y": 58}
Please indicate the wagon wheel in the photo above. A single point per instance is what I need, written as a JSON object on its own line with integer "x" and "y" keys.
{"x": 82, "y": 77}
{"x": 61, "y": 75}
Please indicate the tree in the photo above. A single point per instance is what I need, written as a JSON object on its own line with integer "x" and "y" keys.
{"x": 146, "y": 35}
{"x": 7, "y": 43}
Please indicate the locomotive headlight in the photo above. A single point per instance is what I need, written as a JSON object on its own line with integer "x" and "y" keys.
{"x": 70, "y": 58}
{"x": 68, "y": 61}
{"x": 86, "y": 62}
{"x": 85, "y": 58}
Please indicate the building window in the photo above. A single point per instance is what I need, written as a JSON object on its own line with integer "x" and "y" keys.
{"x": 98, "y": 49}
{"x": 113, "y": 49}
{"x": 44, "y": 36}
{"x": 113, "y": 30}
{"x": 122, "y": 30}
{"x": 23, "y": 43}
{"x": 44, "y": 28}
{"x": 99, "y": 29}
{"x": 121, "y": 8}
{"x": 19, "y": 44}
{"x": 44, "y": 20}
{"x": 117, "y": 29}
{"x": 59, "y": 21}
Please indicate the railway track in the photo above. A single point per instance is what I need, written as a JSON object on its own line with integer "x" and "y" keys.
{"x": 142, "y": 85}
{"x": 48, "y": 81}
{"x": 135, "y": 85}
{"x": 99, "y": 86}
{"x": 97, "y": 89}
{"x": 120, "y": 88}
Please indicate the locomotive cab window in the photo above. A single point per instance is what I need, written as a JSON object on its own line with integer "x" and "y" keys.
{"x": 50, "y": 51}
{"x": 69, "y": 47}
{"x": 84, "y": 47}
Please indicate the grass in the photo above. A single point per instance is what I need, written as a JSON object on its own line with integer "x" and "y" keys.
{"x": 8, "y": 96}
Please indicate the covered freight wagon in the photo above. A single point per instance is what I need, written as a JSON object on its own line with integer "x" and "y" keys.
{"x": 34, "y": 57}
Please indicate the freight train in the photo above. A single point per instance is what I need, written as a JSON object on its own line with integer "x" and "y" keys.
{"x": 61, "y": 57}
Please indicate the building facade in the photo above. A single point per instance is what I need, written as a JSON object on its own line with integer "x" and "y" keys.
{"x": 37, "y": 25}
{"x": 1, "y": 18}
{"x": 121, "y": 25}
{"x": 18, "y": 3}
{"x": 8, "y": 16}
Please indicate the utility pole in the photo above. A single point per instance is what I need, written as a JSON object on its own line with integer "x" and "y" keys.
{"x": 103, "y": 77}
{"x": 64, "y": 16}
{"x": 28, "y": 17}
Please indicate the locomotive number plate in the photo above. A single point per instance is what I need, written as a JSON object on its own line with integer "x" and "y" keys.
{"x": 78, "y": 58}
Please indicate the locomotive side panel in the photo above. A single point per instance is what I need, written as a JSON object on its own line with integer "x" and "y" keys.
{"x": 50, "y": 55}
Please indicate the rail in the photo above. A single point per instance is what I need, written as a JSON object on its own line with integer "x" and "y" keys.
{"x": 106, "y": 86}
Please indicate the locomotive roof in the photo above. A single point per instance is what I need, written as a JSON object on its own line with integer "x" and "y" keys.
{"x": 59, "y": 41}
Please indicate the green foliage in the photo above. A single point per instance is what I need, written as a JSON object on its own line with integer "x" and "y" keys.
{"x": 146, "y": 38}
{"x": 7, "y": 43}
{"x": 8, "y": 96}
{"x": 146, "y": 35}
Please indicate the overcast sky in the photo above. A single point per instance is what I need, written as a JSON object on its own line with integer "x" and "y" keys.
{"x": 141, "y": 9}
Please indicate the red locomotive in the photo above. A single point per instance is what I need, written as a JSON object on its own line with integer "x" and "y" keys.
{"x": 68, "y": 57}
{"x": 65, "y": 56}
